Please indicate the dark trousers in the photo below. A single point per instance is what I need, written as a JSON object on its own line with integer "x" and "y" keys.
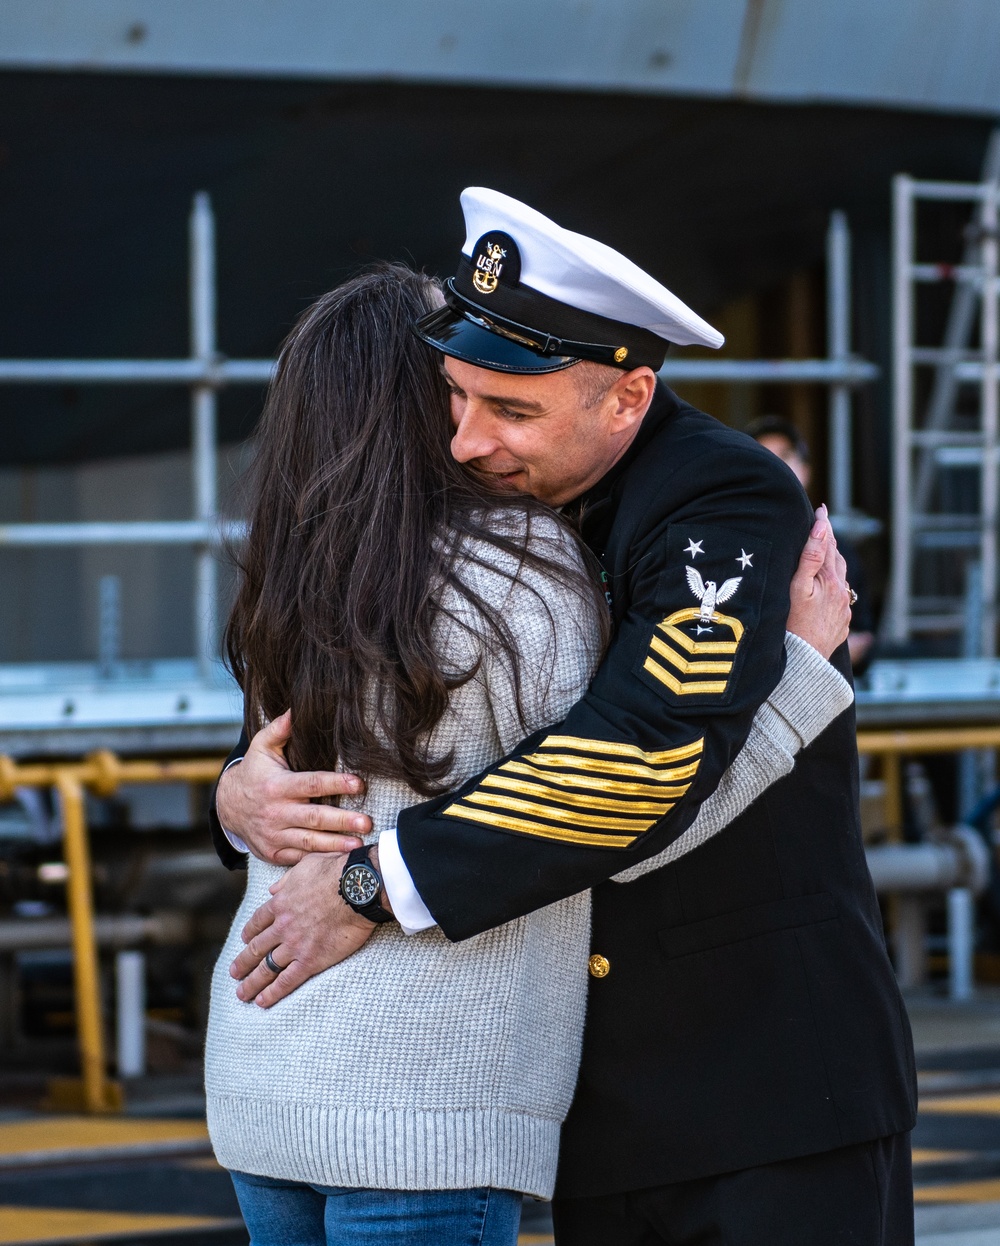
{"x": 857, "y": 1196}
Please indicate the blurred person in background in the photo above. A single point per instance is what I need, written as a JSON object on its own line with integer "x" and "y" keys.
{"x": 782, "y": 438}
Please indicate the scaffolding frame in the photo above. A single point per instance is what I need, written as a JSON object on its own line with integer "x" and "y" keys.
{"x": 205, "y": 371}
{"x": 922, "y": 448}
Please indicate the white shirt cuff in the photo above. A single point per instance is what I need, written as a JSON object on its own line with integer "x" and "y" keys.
{"x": 234, "y": 840}
{"x": 409, "y": 910}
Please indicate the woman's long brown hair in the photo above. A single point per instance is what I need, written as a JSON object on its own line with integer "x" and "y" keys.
{"x": 359, "y": 516}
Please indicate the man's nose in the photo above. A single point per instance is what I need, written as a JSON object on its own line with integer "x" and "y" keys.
{"x": 472, "y": 439}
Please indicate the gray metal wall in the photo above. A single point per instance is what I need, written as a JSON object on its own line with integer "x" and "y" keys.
{"x": 917, "y": 53}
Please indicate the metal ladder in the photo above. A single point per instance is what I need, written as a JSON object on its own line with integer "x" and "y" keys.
{"x": 933, "y": 436}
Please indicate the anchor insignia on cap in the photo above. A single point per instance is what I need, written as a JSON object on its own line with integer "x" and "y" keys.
{"x": 489, "y": 266}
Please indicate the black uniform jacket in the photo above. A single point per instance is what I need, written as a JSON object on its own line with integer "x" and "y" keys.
{"x": 749, "y": 1013}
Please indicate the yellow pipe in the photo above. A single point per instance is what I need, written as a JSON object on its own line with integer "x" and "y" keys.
{"x": 102, "y": 772}
{"x": 928, "y": 740}
{"x": 85, "y": 973}
{"x": 892, "y": 777}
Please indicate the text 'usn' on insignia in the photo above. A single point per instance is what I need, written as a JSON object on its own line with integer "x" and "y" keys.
{"x": 594, "y": 793}
{"x": 495, "y": 257}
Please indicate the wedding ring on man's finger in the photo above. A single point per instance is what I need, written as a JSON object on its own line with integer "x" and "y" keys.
{"x": 269, "y": 961}
{"x": 853, "y": 595}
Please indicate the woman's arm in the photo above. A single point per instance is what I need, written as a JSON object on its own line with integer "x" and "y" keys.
{"x": 811, "y": 694}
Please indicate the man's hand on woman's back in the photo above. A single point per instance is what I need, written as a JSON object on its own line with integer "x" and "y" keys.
{"x": 270, "y": 807}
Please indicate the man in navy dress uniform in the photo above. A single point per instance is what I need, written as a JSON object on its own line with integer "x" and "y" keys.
{"x": 747, "y": 1071}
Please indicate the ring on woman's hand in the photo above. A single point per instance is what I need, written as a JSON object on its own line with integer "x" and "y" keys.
{"x": 854, "y": 596}
{"x": 270, "y": 963}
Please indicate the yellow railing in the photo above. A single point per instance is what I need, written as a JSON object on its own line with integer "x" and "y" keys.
{"x": 102, "y": 773}
{"x": 893, "y": 745}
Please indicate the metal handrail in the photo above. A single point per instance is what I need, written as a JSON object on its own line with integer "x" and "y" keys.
{"x": 206, "y": 371}
{"x": 102, "y": 773}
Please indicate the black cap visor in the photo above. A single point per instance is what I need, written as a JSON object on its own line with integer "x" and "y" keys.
{"x": 463, "y": 335}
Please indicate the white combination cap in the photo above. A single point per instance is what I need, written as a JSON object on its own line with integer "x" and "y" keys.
{"x": 530, "y": 296}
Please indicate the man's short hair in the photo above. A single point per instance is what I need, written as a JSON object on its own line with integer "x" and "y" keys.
{"x": 593, "y": 380}
{"x": 775, "y": 426}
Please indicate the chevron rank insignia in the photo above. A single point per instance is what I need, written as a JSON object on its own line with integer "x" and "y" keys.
{"x": 593, "y": 793}
{"x": 695, "y": 644}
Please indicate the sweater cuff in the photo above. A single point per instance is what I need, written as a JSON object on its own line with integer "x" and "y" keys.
{"x": 811, "y": 694}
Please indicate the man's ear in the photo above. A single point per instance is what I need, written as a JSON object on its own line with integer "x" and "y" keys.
{"x": 633, "y": 393}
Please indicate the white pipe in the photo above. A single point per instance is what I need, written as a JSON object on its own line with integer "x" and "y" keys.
{"x": 122, "y": 931}
{"x": 962, "y": 192}
{"x": 961, "y": 942}
{"x": 897, "y": 614}
{"x": 204, "y": 463}
{"x": 774, "y": 371}
{"x": 214, "y": 372}
{"x": 130, "y": 982}
{"x": 218, "y": 372}
{"x": 909, "y": 941}
{"x": 838, "y": 338}
{"x": 167, "y": 532}
{"x": 990, "y": 334}
{"x": 961, "y": 861}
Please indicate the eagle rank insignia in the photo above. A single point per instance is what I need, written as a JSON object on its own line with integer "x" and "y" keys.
{"x": 708, "y": 594}
{"x": 694, "y": 647}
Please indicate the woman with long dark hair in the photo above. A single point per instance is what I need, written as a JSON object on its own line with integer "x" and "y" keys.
{"x": 419, "y": 623}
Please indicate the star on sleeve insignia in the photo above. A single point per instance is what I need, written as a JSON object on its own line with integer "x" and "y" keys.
{"x": 695, "y": 649}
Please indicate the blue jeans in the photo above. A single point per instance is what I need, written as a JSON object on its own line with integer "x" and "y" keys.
{"x": 290, "y": 1213}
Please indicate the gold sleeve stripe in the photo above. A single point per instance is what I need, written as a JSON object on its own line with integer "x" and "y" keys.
{"x": 583, "y": 800}
{"x": 697, "y": 646}
{"x": 613, "y": 748}
{"x": 585, "y": 839}
{"x": 704, "y": 646}
{"x": 565, "y": 761}
{"x": 605, "y": 798}
{"x": 610, "y": 786}
{"x": 569, "y": 816}
{"x": 682, "y": 690}
{"x": 686, "y": 667}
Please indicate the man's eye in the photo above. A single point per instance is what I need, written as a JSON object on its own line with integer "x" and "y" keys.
{"x": 508, "y": 414}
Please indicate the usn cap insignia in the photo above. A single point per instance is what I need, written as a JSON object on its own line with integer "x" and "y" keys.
{"x": 495, "y": 257}
{"x": 694, "y": 648}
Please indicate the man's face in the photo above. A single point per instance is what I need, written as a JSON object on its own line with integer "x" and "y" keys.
{"x": 533, "y": 433}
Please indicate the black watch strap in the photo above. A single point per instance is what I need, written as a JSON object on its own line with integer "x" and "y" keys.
{"x": 373, "y": 911}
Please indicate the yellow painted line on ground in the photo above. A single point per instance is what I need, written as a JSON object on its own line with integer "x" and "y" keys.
{"x": 47, "y": 1139}
{"x": 85, "y": 1132}
{"x": 963, "y": 1105}
{"x": 921, "y": 1155}
{"x": 959, "y": 1192}
{"x": 48, "y": 1224}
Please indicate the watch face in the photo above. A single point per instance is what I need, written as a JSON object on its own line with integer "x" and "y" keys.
{"x": 360, "y": 885}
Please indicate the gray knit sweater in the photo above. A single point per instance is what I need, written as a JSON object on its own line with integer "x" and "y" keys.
{"x": 422, "y": 1064}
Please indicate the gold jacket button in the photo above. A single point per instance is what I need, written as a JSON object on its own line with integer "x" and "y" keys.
{"x": 599, "y": 966}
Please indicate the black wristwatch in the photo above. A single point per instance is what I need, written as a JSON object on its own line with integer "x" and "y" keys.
{"x": 361, "y": 887}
